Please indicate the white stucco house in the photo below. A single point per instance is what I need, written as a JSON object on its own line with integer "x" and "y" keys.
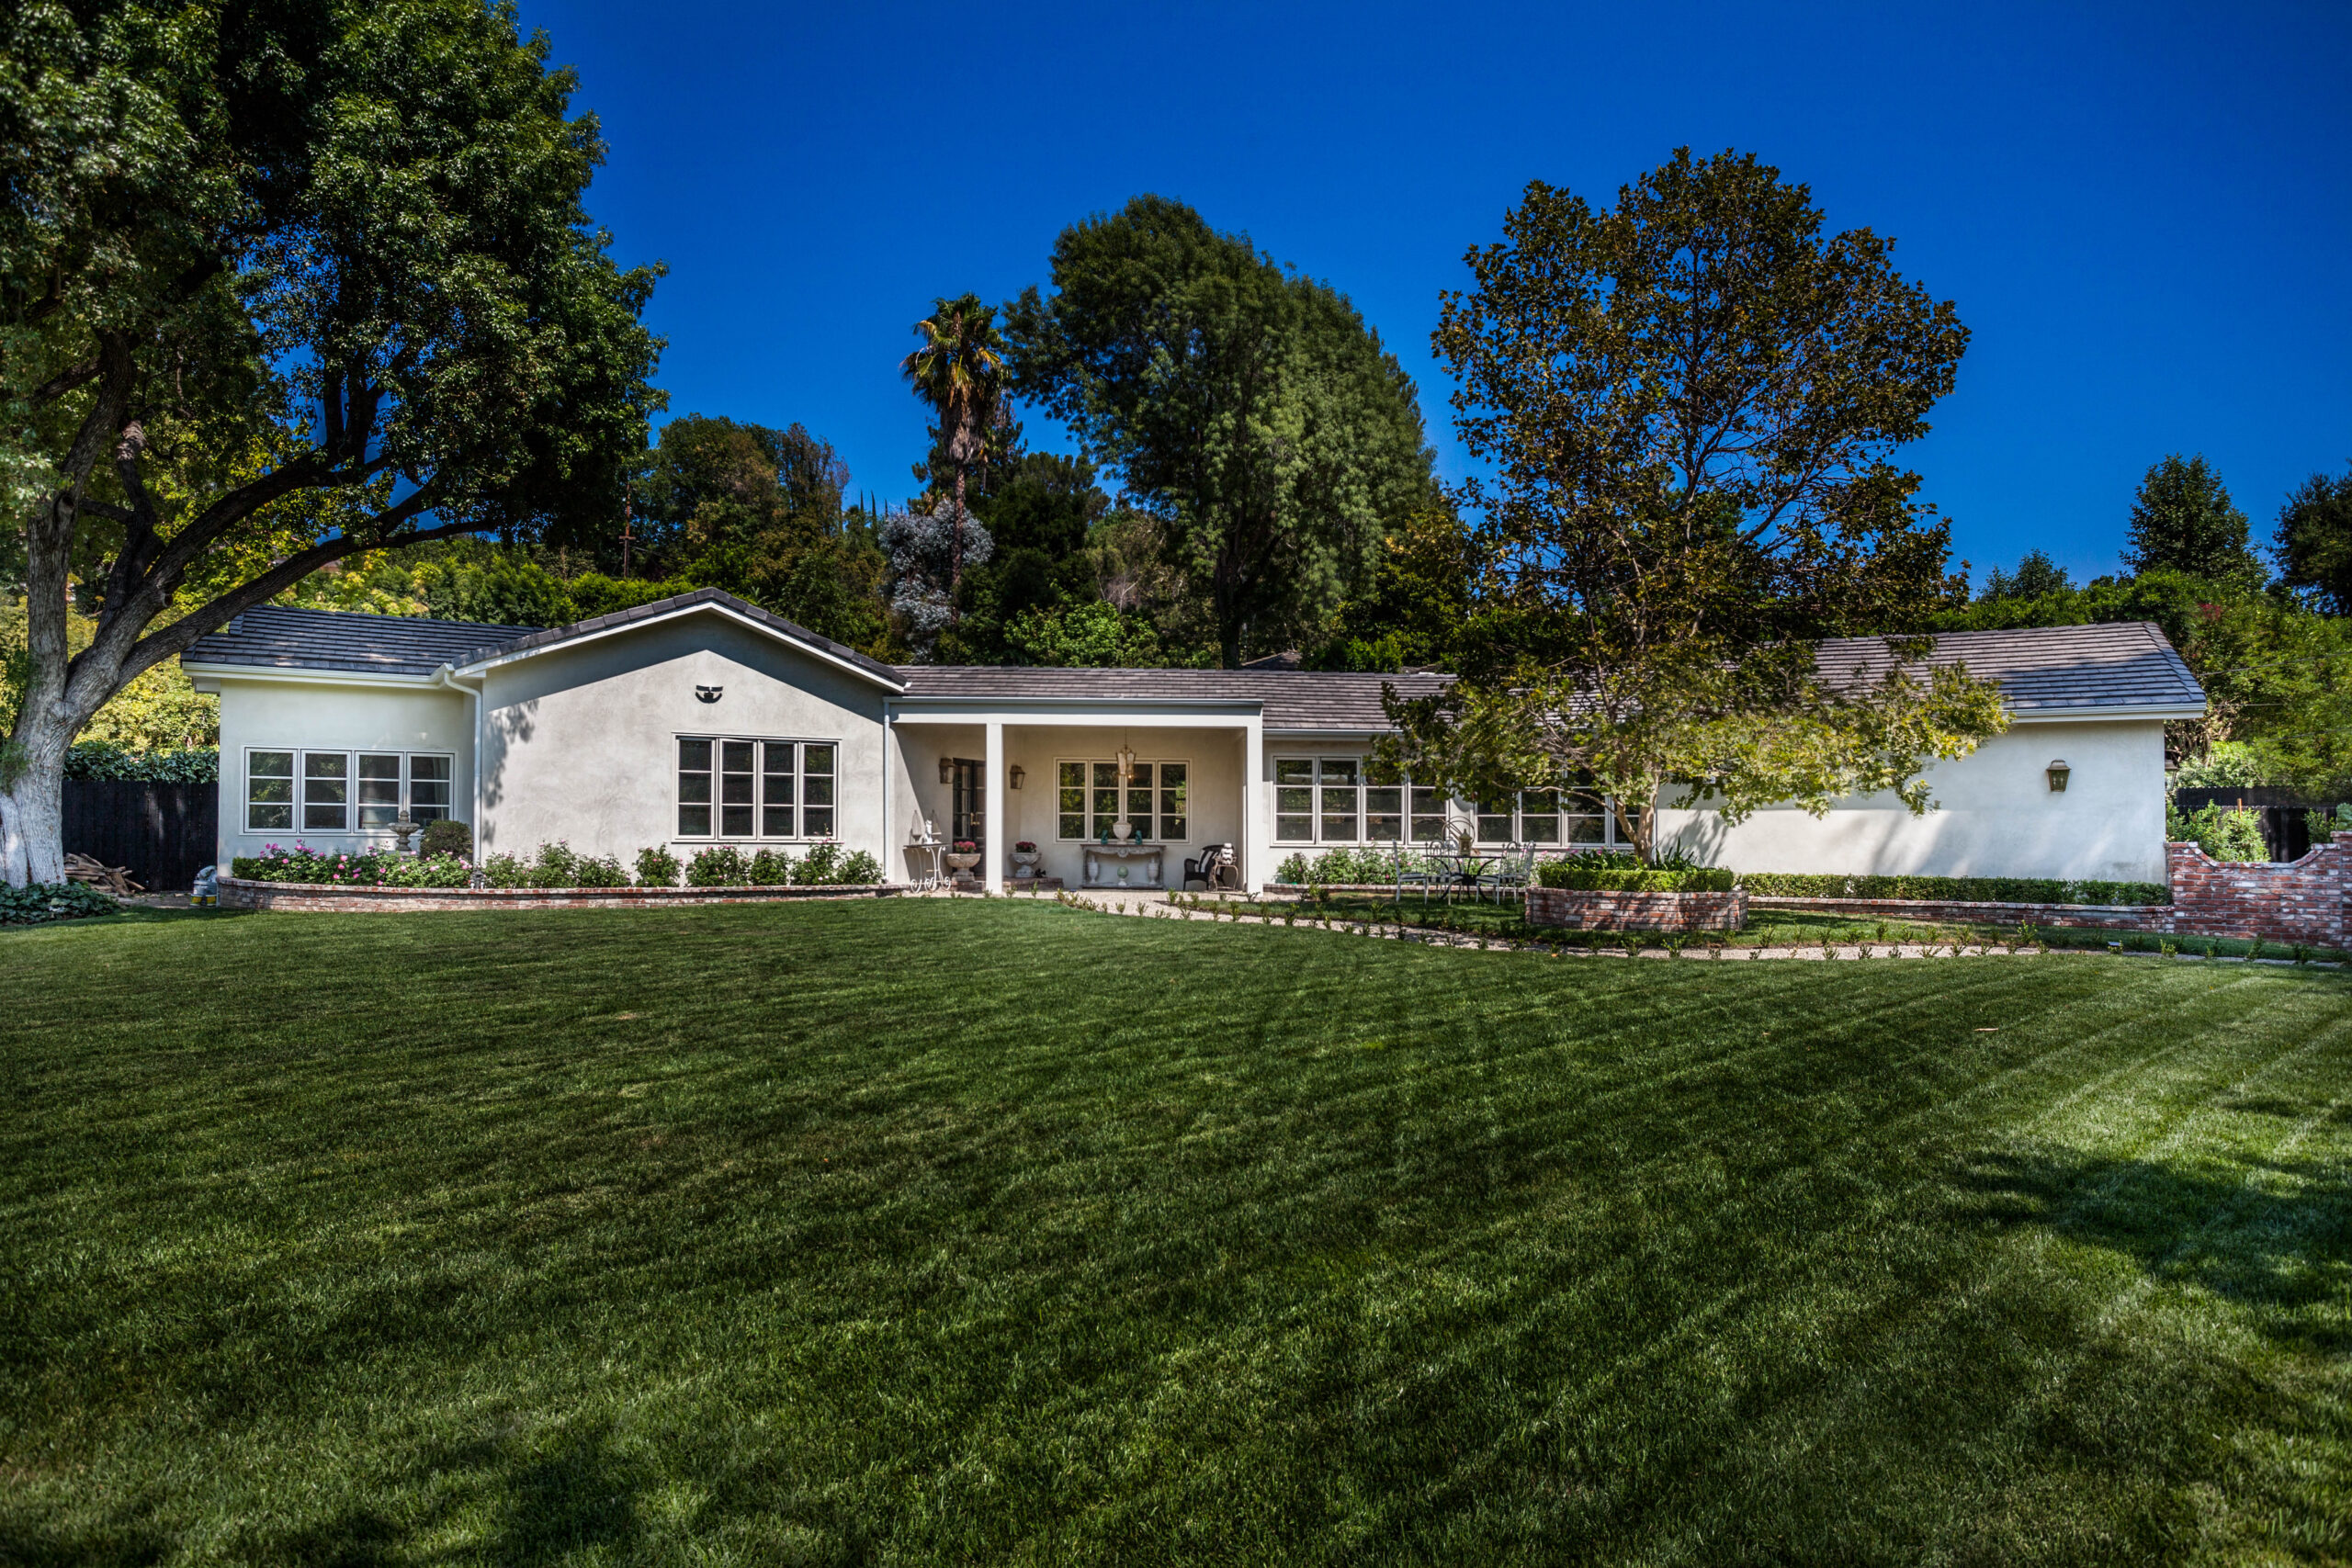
{"x": 703, "y": 719}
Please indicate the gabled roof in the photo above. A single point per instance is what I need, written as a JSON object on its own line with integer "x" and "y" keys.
{"x": 271, "y": 636}
{"x": 2115, "y": 667}
{"x": 706, "y": 600}
{"x": 1291, "y": 699}
{"x": 2118, "y": 668}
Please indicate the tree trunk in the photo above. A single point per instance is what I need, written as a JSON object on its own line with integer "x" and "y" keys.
{"x": 32, "y": 829}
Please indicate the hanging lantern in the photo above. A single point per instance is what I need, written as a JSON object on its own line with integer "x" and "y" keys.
{"x": 1126, "y": 765}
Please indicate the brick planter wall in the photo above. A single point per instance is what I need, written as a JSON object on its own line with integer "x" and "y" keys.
{"x": 1587, "y": 909}
{"x": 238, "y": 894}
{"x": 2300, "y": 901}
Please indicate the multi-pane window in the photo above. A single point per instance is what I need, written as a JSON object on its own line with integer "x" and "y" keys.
{"x": 1335, "y": 800}
{"x": 269, "y": 792}
{"x": 1157, "y": 798}
{"x": 1574, "y": 818}
{"x": 335, "y": 792}
{"x": 736, "y": 788}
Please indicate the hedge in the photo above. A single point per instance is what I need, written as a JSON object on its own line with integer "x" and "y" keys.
{"x": 1954, "y": 890}
{"x": 1569, "y": 874}
{"x": 105, "y": 760}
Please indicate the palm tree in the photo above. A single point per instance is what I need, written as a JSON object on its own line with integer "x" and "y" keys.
{"x": 959, "y": 371}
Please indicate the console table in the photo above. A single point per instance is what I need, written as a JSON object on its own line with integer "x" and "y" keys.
{"x": 1123, "y": 865}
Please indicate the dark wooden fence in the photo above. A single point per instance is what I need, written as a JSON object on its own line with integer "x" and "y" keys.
{"x": 163, "y": 832}
{"x": 2284, "y": 831}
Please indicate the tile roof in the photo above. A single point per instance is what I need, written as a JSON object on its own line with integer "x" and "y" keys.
{"x": 272, "y": 636}
{"x": 2117, "y": 665}
{"x": 655, "y": 609}
{"x": 1293, "y": 699}
{"x": 2114, "y": 666}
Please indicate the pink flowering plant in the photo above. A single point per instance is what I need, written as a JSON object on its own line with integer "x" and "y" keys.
{"x": 341, "y": 868}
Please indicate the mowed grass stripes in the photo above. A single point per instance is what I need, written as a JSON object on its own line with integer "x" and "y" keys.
{"x": 919, "y": 1232}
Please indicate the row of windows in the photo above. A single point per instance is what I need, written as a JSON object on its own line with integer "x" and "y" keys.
{"x": 764, "y": 789}
{"x": 1332, "y": 800}
{"x": 331, "y": 792}
{"x": 1157, "y": 800}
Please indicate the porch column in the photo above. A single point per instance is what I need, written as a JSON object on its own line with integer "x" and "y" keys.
{"x": 994, "y": 843}
{"x": 1255, "y": 871}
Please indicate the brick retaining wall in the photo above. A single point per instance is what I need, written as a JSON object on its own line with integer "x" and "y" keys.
{"x": 1591, "y": 909}
{"x": 2118, "y": 917}
{"x": 236, "y": 893}
{"x": 2304, "y": 901}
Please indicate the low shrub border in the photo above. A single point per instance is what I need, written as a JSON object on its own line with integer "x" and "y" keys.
{"x": 240, "y": 893}
{"x": 37, "y": 903}
{"x": 2035, "y": 890}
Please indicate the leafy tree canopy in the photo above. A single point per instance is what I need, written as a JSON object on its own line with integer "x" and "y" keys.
{"x": 2314, "y": 541}
{"x": 2035, "y": 575}
{"x": 1690, "y": 403}
{"x": 1250, "y": 409}
{"x": 2183, "y": 521}
{"x": 281, "y": 282}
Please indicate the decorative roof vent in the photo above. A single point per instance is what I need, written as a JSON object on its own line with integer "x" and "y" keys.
{"x": 707, "y": 694}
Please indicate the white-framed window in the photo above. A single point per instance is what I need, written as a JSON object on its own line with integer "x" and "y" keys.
{"x": 1573, "y": 818}
{"x": 1158, "y": 799}
{"x": 296, "y": 790}
{"x": 1333, "y": 800}
{"x": 753, "y": 787}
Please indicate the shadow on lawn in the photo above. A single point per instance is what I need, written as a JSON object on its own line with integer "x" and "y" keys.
{"x": 2273, "y": 1238}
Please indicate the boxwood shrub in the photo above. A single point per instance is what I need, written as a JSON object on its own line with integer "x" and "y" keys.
{"x": 1572, "y": 874}
{"x": 1954, "y": 890}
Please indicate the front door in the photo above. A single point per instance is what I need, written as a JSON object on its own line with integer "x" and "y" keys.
{"x": 968, "y": 803}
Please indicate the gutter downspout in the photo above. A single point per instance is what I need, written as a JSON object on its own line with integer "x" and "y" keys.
{"x": 447, "y": 676}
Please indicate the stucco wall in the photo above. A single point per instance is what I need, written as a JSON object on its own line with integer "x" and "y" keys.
{"x": 580, "y": 742}
{"x": 1996, "y": 817}
{"x": 1215, "y": 802}
{"x": 289, "y": 715}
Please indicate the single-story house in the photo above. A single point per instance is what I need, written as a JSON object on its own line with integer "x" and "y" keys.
{"x": 703, "y": 719}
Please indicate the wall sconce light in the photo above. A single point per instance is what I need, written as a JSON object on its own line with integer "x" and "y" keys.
{"x": 2058, "y": 772}
{"x": 946, "y": 768}
{"x": 1018, "y": 775}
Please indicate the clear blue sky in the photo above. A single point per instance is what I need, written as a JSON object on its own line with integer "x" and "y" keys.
{"x": 2143, "y": 212}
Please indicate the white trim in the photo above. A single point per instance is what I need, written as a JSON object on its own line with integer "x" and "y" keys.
{"x": 353, "y": 827}
{"x": 483, "y": 666}
{"x": 1089, "y": 713}
{"x": 302, "y": 677}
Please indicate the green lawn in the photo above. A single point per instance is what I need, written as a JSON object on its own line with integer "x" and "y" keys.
{"x": 930, "y": 1231}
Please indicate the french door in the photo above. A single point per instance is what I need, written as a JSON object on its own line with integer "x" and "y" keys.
{"x": 969, "y": 802}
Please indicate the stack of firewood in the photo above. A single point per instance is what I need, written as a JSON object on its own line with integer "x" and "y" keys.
{"x": 113, "y": 878}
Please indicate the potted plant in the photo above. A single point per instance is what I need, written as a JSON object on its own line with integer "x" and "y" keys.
{"x": 963, "y": 856}
{"x": 1024, "y": 858}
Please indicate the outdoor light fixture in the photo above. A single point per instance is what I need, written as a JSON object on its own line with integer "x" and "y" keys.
{"x": 1126, "y": 765}
{"x": 1018, "y": 775}
{"x": 946, "y": 768}
{"x": 707, "y": 694}
{"x": 2058, "y": 772}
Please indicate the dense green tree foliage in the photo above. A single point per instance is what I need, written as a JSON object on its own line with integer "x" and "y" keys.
{"x": 1690, "y": 402}
{"x": 1251, "y": 411}
{"x": 281, "y": 283}
{"x": 2314, "y": 541}
{"x": 2183, "y": 521}
{"x": 2036, "y": 574}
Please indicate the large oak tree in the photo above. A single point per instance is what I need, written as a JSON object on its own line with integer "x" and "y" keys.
{"x": 284, "y": 280}
{"x": 1688, "y": 403}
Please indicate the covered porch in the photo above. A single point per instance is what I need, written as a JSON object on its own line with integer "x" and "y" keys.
{"x": 1004, "y": 773}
